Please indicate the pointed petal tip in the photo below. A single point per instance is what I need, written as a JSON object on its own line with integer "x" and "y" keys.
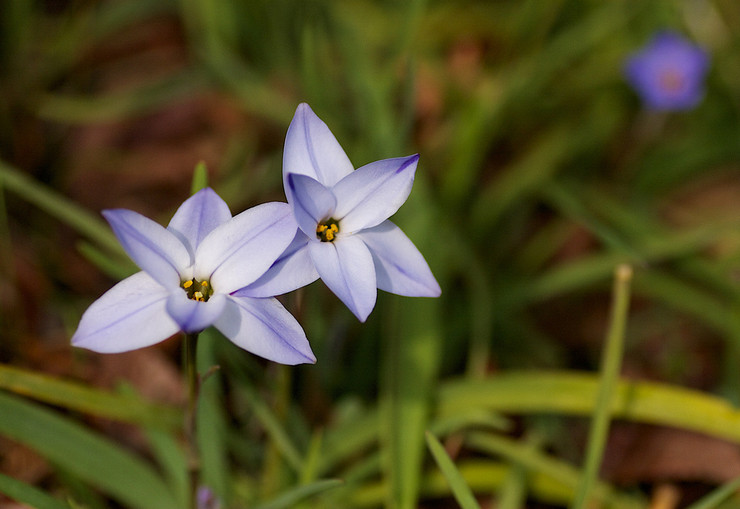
{"x": 409, "y": 162}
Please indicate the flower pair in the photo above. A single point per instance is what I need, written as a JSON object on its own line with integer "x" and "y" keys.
{"x": 210, "y": 269}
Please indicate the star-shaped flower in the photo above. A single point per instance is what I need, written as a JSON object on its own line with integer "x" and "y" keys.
{"x": 193, "y": 276}
{"x": 344, "y": 235}
{"x": 668, "y": 73}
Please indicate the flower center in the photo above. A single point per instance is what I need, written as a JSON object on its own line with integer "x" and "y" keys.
{"x": 671, "y": 80}
{"x": 197, "y": 290}
{"x": 327, "y": 230}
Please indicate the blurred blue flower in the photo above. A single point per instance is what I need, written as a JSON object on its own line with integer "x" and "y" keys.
{"x": 344, "y": 235}
{"x": 668, "y": 73}
{"x": 191, "y": 275}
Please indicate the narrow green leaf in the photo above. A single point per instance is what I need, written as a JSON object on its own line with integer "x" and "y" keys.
{"x": 85, "y": 109}
{"x": 291, "y": 497}
{"x": 572, "y": 393}
{"x": 27, "y": 494}
{"x": 172, "y": 460}
{"x": 595, "y": 268}
{"x": 83, "y": 453}
{"x": 278, "y": 435}
{"x": 716, "y": 497}
{"x": 61, "y": 208}
{"x": 76, "y": 396}
{"x": 411, "y": 356}
{"x": 460, "y": 489}
{"x": 113, "y": 266}
{"x": 540, "y": 465}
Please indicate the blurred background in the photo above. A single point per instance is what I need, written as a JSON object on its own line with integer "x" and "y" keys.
{"x": 541, "y": 170}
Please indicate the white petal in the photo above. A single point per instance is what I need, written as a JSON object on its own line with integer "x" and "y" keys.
{"x": 239, "y": 251}
{"x": 294, "y": 269}
{"x": 192, "y": 315}
{"x": 265, "y": 328}
{"x": 399, "y": 267}
{"x": 346, "y": 266}
{"x": 130, "y": 315}
{"x": 198, "y": 216}
{"x": 312, "y": 202}
{"x": 153, "y": 248}
{"x": 311, "y": 149}
{"x": 373, "y": 193}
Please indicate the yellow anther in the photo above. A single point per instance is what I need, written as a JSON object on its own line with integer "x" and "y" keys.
{"x": 327, "y": 230}
{"x": 197, "y": 290}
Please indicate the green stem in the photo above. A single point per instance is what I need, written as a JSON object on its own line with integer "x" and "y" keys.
{"x": 191, "y": 373}
{"x": 611, "y": 362}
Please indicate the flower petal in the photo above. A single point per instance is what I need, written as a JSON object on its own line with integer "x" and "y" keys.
{"x": 192, "y": 315}
{"x": 311, "y": 149}
{"x": 371, "y": 194}
{"x": 399, "y": 267}
{"x": 312, "y": 202}
{"x": 130, "y": 315}
{"x": 346, "y": 266}
{"x": 239, "y": 251}
{"x": 265, "y": 328}
{"x": 153, "y": 248}
{"x": 294, "y": 269}
{"x": 198, "y": 216}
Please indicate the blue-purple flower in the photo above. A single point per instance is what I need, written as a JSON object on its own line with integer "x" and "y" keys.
{"x": 344, "y": 235}
{"x": 668, "y": 73}
{"x": 194, "y": 274}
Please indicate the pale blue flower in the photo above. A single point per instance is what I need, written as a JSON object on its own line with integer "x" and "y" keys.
{"x": 193, "y": 274}
{"x": 668, "y": 73}
{"x": 344, "y": 235}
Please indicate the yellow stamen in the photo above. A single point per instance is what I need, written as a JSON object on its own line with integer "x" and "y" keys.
{"x": 197, "y": 290}
{"x": 327, "y": 230}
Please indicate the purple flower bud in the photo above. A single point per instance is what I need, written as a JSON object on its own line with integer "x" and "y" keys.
{"x": 207, "y": 499}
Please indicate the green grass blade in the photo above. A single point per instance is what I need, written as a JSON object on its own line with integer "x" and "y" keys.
{"x": 411, "y": 357}
{"x": 171, "y": 458}
{"x": 85, "y": 454}
{"x": 543, "y": 465}
{"x": 611, "y": 362}
{"x": 27, "y": 494}
{"x": 572, "y": 393}
{"x": 116, "y": 106}
{"x": 279, "y": 437}
{"x": 460, "y": 489}
{"x": 114, "y": 267}
{"x": 291, "y": 497}
{"x": 63, "y": 209}
{"x": 716, "y": 497}
{"x": 84, "y": 399}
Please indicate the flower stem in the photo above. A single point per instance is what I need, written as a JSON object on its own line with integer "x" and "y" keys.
{"x": 191, "y": 445}
{"x": 611, "y": 363}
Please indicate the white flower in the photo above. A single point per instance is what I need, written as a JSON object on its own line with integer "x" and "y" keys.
{"x": 192, "y": 274}
{"x": 344, "y": 234}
